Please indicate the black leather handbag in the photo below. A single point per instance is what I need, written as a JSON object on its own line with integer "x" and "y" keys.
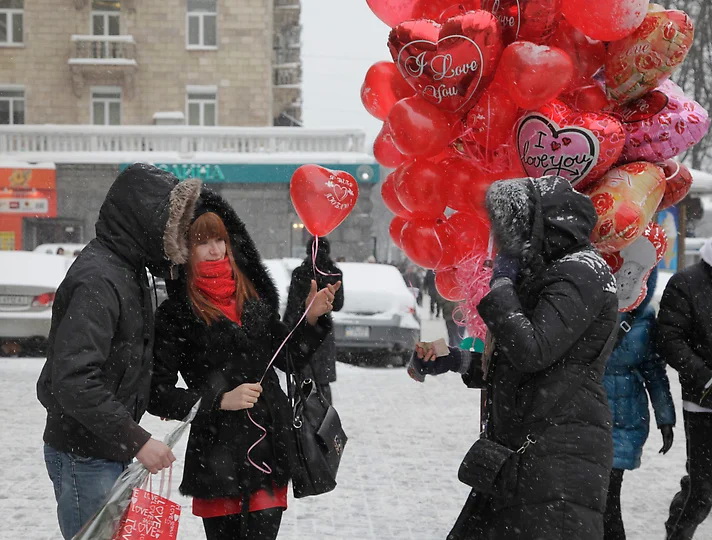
{"x": 319, "y": 436}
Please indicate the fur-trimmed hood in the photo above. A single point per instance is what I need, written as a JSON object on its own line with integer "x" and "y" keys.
{"x": 243, "y": 248}
{"x": 539, "y": 217}
{"x": 146, "y": 215}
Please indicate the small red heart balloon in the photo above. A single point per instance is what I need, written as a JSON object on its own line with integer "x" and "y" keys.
{"x": 466, "y": 185}
{"x": 530, "y": 20}
{"x": 449, "y": 64}
{"x": 420, "y": 188}
{"x": 526, "y": 71}
{"x": 491, "y": 121}
{"x": 390, "y": 198}
{"x": 419, "y": 128}
{"x": 588, "y": 55}
{"x": 467, "y": 233}
{"x": 678, "y": 181}
{"x": 422, "y": 240}
{"x": 448, "y": 285}
{"x": 385, "y": 151}
{"x": 382, "y": 88}
{"x": 322, "y": 197}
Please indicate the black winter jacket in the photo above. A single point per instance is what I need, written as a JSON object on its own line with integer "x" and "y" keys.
{"x": 95, "y": 383}
{"x": 684, "y": 337}
{"x": 213, "y": 359}
{"x": 549, "y": 331}
{"x": 323, "y": 362}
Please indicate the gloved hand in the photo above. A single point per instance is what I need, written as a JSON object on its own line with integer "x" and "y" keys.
{"x": 668, "y": 436}
{"x": 505, "y": 266}
{"x": 424, "y": 363}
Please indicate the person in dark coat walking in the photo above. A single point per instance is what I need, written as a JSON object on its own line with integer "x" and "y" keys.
{"x": 633, "y": 371}
{"x": 220, "y": 329}
{"x": 95, "y": 382}
{"x": 551, "y": 314}
{"x": 322, "y": 366}
{"x": 433, "y": 294}
{"x": 684, "y": 341}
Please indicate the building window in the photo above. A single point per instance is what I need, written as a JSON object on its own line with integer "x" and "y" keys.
{"x": 106, "y": 106}
{"x": 202, "y": 106}
{"x": 201, "y": 24}
{"x": 11, "y": 22}
{"x": 105, "y": 18}
{"x": 12, "y": 105}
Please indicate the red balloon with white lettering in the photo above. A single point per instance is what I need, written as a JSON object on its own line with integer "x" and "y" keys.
{"x": 323, "y": 198}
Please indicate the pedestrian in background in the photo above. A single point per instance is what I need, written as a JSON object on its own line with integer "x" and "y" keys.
{"x": 433, "y": 294}
{"x": 219, "y": 330}
{"x": 684, "y": 341}
{"x": 322, "y": 365}
{"x": 414, "y": 281}
{"x": 454, "y": 333}
{"x": 96, "y": 381}
{"x": 551, "y": 315}
{"x": 633, "y": 371}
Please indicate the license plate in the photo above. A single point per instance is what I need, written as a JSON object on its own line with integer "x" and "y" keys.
{"x": 14, "y": 300}
{"x": 357, "y": 331}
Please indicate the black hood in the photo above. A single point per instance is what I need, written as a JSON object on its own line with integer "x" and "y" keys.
{"x": 145, "y": 217}
{"x": 540, "y": 217}
{"x": 243, "y": 249}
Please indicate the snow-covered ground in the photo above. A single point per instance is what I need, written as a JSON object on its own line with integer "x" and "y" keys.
{"x": 398, "y": 477}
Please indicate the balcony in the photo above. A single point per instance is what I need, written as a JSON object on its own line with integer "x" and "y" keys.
{"x": 286, "y": 12}
{"x": 116, "y": 144}
{"x": 287, "y": 56}
{"x": 103, "y": 60}
{"x": 288, "y": 76}
{"x": 287, "y": 4}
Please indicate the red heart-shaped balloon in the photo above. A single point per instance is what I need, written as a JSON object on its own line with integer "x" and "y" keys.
{"x": 322, "y": 197}
{"x": 449, "y": 64}
{"x": 382, "y": 88}
{"x": 588, "y": 55}
{"x": 448, "y": 285}
{"x": 526, "y": 71}
{"x": 678, "y": 181}
{"x": 491, "y": 121}
{"x": 467, "y": 233}
{"x": 394, "y": 12}
{"x": 530, "y": 20}
{"x": 420, "y": 188}
{"x": 395, "y": 229}
{"x": 422, "y": 240}
{"x": 578, "y": 146}
{"x": 390, "y": 198}
{"x": 385, "y": 151}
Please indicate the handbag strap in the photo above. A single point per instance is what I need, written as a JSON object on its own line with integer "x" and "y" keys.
{"x": 568, "y": 395}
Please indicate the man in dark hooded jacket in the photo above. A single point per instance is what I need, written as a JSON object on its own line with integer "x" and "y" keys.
{"x": 95, "y": 384}
{"x": 323, "y": 362}
{"x": 551, "y": 315}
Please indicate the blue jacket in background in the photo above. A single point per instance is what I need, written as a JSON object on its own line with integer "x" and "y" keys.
{"x": 632, "y": 368}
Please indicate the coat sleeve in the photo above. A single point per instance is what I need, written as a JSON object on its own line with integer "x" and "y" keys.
{"x": 81, "y": 347}
{"x": 339, "y": 296}
{"x": 564, "y": 311}
{"x": 295, "y": 298}
{"x": 674, "y": 331}
{"x": 170, "y": 351}
{"x": 652, "y": 369}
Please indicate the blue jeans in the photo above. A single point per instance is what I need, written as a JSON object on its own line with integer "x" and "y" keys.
{"x": 80, "y": 486}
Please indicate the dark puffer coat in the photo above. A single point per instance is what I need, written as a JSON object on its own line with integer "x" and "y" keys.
{"x": 213, "y": 359}
{"x": 549, "y": 330}
{"x": 684, "y": 337}
{"x": 323, "y": 362}
{"x": 95, "y": 383}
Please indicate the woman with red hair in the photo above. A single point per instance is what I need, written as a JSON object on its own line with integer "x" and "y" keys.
{"x": 219, "y": 330}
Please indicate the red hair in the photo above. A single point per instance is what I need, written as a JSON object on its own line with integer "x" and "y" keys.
{"x": 207, "y": 227}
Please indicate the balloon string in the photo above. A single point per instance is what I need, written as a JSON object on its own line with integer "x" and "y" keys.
{"x": 266, "y": 468}
{"x": 315, "y": 268}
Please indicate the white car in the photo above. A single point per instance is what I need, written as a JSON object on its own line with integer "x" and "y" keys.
{"x": 282, "y": 276}
{"x": 378, "y": 321}
{"x": 28, "y": 283}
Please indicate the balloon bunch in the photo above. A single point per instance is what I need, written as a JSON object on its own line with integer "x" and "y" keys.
{"x": 483, "y": 90}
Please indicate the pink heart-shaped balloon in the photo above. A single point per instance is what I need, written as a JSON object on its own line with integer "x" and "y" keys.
{"x": 448, "y": 64}
{"x": 322, "y": 197}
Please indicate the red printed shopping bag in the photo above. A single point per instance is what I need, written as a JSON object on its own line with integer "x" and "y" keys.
{"x": 149, "y": 516}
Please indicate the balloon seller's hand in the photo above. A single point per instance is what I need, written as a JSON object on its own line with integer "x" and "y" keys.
{"x": 155, "y": 456}
{"x": 668, "y": 436}
{"x": 424, "y": 361}
{"x": 243, "y": 397}
{"x": 323, "y": 301}
{"x": 505, "y": 267}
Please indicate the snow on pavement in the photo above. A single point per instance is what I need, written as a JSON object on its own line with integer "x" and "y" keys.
{"x": 398, "y": 477}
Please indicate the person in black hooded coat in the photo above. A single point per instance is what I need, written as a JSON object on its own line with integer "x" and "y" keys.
{"x": 216, "y": 359}
{"x": 95, "y": 383}
{"x": 322, "y": 365}
{"x": 551, "y": 313}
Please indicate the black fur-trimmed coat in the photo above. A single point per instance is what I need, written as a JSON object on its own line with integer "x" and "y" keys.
{"x": 217, "y": 358}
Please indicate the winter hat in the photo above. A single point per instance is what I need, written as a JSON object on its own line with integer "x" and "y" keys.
{"x": 510, "y": 208}
{"x": 706, "y": 251}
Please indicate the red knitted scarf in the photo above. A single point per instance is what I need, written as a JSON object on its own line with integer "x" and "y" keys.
{"x": 215, "y": 281}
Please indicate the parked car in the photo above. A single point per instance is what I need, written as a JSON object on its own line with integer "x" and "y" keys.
{"x": 378, "y": 322}
{"x": 28, "y": 283}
